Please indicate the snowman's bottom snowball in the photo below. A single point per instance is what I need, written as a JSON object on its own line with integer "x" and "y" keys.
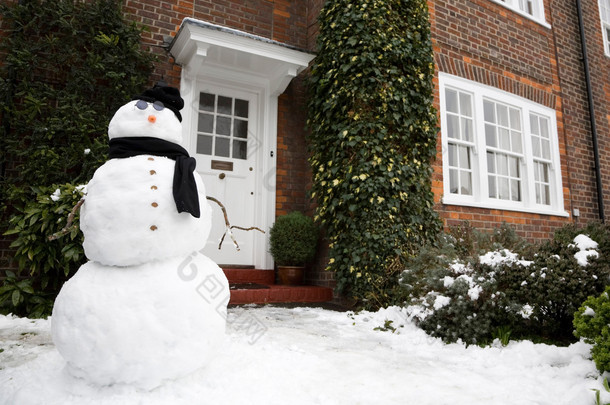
{"x": 142, "y": 324}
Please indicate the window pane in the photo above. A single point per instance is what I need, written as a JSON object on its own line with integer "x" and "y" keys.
{"x": 544, "y": 128}
{"x": 490, "y": 135}
{"x": 546, "y": 195}
{"x": 205, "y": 123}
{"x": 453, "y": 158}
{"x": 225, "y": 105}
{"x": 534, "y": 124}
{"x": 222, "y": 147}
{"x": 451, "y": 100}
{"x": 241, "y": 129}
{"x": 453, "y": 126}
{"x": 465, "y": 105}
{"x": 516, "y": 141}
{"x": 240, "y": 149}
{"x": 206, "y": 102}
{"x": 488, "y": 111}
{"x": 515, "y": 190}
{"x": 204, "y": 144}
{"x": 503, "y": 190}
{"x": 464, "y": 157}
{"x": 491, "y": 163}
{"x": 504, "y": 138}
{"x": 223, "y": 125}
{"x": 453, "y": 181}
{"x": 467, "y": 131}
{"x": 545, "y": 172}
{"x": 466, "y": 183}
{"x": 536, "y": 146}
{"x": 514, "y": 167}
{"x": 515, "y": 119}
{"x": 545, "y": 145}
{"x": 491, "y": 183}
{"x": 241, "y": 108}
{"x": 537, "y": 171}
{"x": 502, "y": 115}
{"x": 502, "y": 162}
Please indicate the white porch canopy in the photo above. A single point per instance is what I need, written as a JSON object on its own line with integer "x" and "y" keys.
{"x": 204, "y": 48}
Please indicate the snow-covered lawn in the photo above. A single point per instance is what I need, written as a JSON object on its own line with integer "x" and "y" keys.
{"x": 277, "y": 355}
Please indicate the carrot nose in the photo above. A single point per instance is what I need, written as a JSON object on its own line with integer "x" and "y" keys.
{"x": 152, "y": 119}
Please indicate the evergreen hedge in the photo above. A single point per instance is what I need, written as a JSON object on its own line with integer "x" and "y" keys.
{"x": 67, "y": 66}
{"x": 373, "y": 135}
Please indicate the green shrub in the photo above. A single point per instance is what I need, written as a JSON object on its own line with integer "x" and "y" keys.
{"x": 592, "y": 323}
{"x": 68, "y": 66}
{"x": 46, "y": 263}
{"x": 293, "y": 239}
{"x": 373, "y": 136}
{"x": 532, "y": 295}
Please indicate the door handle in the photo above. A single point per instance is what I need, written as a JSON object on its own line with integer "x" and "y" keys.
{"x": 221, "y": 176}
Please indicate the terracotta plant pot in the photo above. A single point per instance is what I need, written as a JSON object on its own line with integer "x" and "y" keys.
{"x": 290, "y": 275}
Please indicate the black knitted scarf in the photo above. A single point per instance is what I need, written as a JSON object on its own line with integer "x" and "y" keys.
{"x": 184, "y": 186}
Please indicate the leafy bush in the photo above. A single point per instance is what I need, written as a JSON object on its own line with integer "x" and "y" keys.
{"x": 67, "y": 66}
{"x": 48, "y": 263}
{"x": 373, "y": 135}
{"x": 592, "y": 322}
{"x": 293, "y": 239}
{"x": 455, "y": 294}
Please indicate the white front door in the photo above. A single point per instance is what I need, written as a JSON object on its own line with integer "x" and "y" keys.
{"x": 225, "y": 147}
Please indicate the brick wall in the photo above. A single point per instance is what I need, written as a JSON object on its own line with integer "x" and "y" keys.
{"x": 293, "y": 174}
{"x": 575, "y": 107}
{"x": 485, "y": 42}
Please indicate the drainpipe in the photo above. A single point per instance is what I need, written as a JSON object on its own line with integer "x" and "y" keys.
{"x": 598, "y": 174}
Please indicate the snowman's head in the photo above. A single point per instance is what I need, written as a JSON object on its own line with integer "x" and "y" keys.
{"x": 154, "y": 114}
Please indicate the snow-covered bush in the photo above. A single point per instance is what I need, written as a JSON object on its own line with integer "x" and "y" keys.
{"x": 592, "y": 322}
{"x": 455, "y": 294}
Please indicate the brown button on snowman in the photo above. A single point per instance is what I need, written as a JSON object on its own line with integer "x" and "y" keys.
{"x": 148, "y": 306}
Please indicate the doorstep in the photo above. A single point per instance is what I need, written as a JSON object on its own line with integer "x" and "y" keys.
{"x": 252, "y": 286}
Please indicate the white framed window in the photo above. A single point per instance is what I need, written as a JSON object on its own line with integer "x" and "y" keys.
{"x": 532, "y": 9}
{"x": 500, "y": 151}
{"x": 604, "y": 13}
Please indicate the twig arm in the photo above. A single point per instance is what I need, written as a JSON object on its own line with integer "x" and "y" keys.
{"x": 229, "y": 227}
{"x": 68, "y": 228}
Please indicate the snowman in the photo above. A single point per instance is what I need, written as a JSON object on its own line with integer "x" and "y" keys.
{"x": 148, "y": 306}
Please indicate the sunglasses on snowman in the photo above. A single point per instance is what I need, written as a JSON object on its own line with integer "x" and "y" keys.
{"x": 143, "y": 105}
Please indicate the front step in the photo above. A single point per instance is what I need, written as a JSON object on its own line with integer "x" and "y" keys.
{"x": 240, "y": 275}
{"x": 251, "y": 286}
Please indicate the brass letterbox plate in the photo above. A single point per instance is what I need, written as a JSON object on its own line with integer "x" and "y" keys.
{"x": 220, "y": 165}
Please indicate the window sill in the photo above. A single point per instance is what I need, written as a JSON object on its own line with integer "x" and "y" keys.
{"x": 505, "y": 207}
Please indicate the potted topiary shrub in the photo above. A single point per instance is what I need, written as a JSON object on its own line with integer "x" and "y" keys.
{"x": 292, "y": 239}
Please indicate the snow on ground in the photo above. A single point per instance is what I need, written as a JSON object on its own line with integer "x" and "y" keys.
{"x": 277, "y": 355}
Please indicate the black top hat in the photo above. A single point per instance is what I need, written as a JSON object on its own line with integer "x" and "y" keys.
{"x": 169, "y": 96}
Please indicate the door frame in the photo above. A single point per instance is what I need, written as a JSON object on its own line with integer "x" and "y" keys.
{"x": 266, "y": 156}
